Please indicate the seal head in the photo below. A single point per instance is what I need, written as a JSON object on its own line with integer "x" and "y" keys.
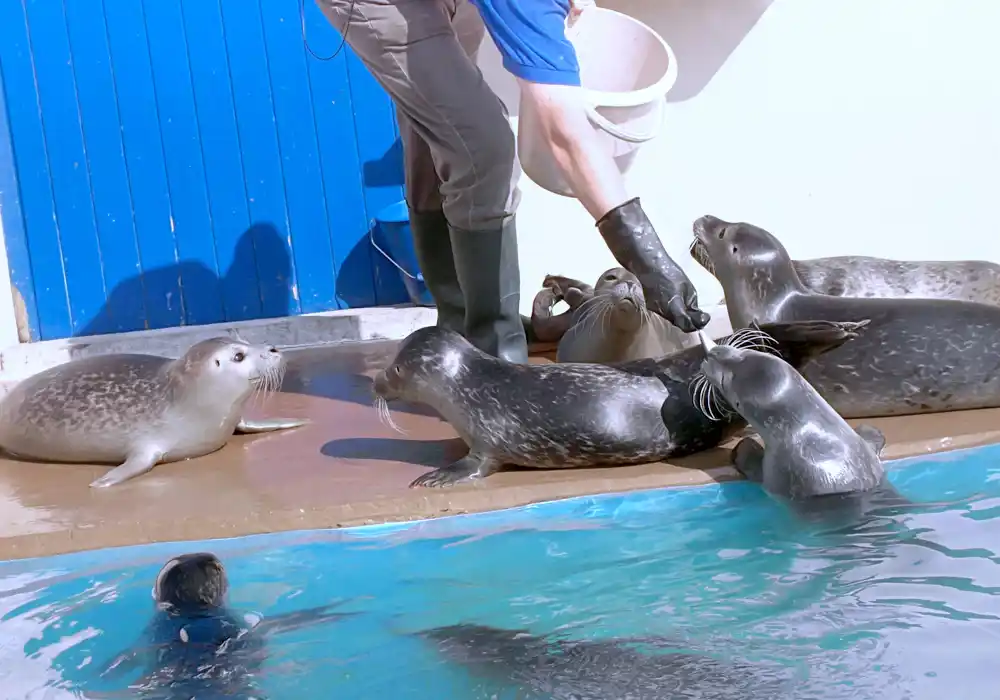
{"x": 191, "y": 582}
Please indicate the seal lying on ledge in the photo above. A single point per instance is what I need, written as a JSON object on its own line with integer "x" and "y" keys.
{"x": 558, "y": 416}
{"x": 195, "y": 646}
{"x": 140, "y": 410}
{"x": 613, "y": 324}
{"x": 862, "y": 276}
{"x": 916, "y": 356}
{"x": 614, "y": 669}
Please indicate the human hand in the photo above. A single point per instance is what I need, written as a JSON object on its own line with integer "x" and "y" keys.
{"x": 576, "y": 8}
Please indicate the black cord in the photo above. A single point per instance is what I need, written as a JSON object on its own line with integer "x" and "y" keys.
{"x": 343, "y": 38}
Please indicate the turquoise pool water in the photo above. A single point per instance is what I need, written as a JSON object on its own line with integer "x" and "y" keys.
{"x": 903, "y": 605}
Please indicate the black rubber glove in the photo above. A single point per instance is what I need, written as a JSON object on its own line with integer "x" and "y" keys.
{"x": 636, "y": 246}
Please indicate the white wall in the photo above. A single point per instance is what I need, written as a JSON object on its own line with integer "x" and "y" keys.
{"x": 850, "y": 127}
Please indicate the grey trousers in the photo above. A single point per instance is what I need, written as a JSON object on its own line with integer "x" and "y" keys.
{"x": 457, "y": 143}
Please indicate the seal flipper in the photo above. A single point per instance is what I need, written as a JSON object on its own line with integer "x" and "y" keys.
{"x": 137, "y": 463}
{"x": 471, "y": 467}
{"x": 801, "y": 341}
{"x": 748, "y": 458}
{"x": 268, "y": 425}
{"x": 873, "y": 436}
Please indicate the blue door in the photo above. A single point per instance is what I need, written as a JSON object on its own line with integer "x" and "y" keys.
{"x": 188, "y": 162}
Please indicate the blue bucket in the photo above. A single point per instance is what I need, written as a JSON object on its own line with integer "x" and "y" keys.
{"x": 393, "y": 223}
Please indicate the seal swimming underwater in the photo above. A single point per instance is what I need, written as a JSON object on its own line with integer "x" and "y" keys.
{"x": 140, "y": 410}
{"x": 614, "y": 325}
{"x": 195, "y": 646}
{"x": 916, "y": 356}
{"x": 617, "y": 669}
{"x": 567, "y": 415}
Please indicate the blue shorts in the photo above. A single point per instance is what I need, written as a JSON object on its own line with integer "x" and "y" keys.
{"x": 531, "y": 36}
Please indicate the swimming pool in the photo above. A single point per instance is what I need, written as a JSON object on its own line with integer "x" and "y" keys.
{"x": 904, "y": 606}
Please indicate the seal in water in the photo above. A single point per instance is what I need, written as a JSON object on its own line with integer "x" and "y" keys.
{"x": 640, "y": 668}
{"x": 864, "y": 276}
{"x": 558, "y": 416}
{"x": 196, "y": 646}
{"x": 917, "y": 355}
{"x": 140, "y": 410}
{"x": 809, "y": 449}
{"x": 614, "y": 325}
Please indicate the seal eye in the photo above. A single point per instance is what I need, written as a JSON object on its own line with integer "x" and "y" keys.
{"x": 397, "y": 371}
{"x": 722, "y": 232}
{"x": 734, "y": 249}
{"x": 610, "y": 277}
{"x": 239, "y": 357}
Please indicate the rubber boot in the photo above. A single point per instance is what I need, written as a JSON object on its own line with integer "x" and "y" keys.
{"x": 633, "y": 241}
{"x": 432, "y": 243}
{"x": 487, "y": 267}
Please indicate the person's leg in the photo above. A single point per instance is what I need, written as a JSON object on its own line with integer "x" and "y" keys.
{"x": 531, "y": 37}
{"x": 431, "y": 235}
{"x": 413, "y": 50}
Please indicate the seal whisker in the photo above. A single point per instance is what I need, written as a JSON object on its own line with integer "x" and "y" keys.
{"x": 385, "y": 415}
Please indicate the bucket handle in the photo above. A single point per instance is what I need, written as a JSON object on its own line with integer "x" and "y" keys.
{"x": 371, "y": 238}
{"x": 603, "y": 123}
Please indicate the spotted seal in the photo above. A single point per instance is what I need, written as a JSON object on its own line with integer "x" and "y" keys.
{"x": 612, "y": 324}
{"x": 566, "y": 415}
{"x": 917, "y": 355}
{"x": 865, "y": 276}
{"x": 809, "y": 449}
{"x": 637, "y": 668}
{"x": 196, "y": 646}
{"x": 140, "y": 410}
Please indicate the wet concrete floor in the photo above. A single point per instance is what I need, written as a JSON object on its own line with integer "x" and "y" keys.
{"x": 345, "y": 468}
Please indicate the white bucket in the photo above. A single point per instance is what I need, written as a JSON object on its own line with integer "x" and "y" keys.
{"x": 626, "y": 70}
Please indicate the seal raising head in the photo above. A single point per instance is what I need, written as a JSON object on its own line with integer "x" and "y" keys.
{"x": 140, "y": 410}
{"x": 614, "y": 325}
{"x": 809, "y": 449}
{"x": 191, "y": 581}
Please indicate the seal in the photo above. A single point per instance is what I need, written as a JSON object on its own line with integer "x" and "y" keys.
{"x": 195, "y": 645}
{"x": 864, "y": 276}
{"x": 614, "y": 325}
{"x": 638, "y": 668}
{"x": 567, "y": 415}
{"x": 140, "y": 410}
{"x": 917, "y": 355}
{"x": 809, "y": 449}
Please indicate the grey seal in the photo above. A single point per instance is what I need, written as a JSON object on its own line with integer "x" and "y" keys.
{"x": 196, "y": 646}
{"x": 809, "y": 449}
{"x": 569, "y": 415}
{"x": 885, "y": 278}
{"x": 612, "y": 324}
{"x": 140, "y": 410}
{"x": 916, "y": 356}
{"x": 629, "y": 668}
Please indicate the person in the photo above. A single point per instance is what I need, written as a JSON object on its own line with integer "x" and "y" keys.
{"x": 459, "y": 155}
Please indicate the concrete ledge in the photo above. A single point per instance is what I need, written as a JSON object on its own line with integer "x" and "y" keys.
{"x": 353, "y": 325}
